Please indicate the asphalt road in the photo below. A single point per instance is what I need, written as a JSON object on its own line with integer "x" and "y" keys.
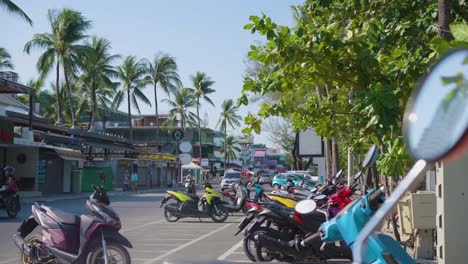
{"x": 154, "y": 239}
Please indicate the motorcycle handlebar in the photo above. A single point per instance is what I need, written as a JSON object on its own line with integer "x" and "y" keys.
{"x": 374, "y": 198}
{"x": 309, "y": 239}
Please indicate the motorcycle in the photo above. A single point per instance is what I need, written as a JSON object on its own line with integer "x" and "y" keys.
{"x": 69, "y": 238}
{"x": 190, "y": 186}
{"x": 190, "y": 205}
{"x": 11, "y": 204}
{"x": 240, "y": 200}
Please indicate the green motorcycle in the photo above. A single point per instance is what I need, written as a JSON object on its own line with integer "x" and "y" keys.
{"x": 181, "y": 205}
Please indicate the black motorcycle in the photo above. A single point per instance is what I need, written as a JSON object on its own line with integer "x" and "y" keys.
{"x": 11, "y": 203}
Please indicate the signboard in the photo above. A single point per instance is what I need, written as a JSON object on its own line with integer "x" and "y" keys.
{"x": 185, "y": 158}
{"x": 185, "y": 147}
{"x": 178, "y": 135}
{"x": 310, "y": 144}
{"x": 6, "y": 132}
{"x": 204, "y": 162}
{"x": 168, "y": 147}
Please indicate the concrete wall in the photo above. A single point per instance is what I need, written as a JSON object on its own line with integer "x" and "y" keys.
{"x": 28, "y": 168}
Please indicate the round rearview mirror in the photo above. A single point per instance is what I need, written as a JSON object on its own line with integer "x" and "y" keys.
{"x": 371, "y": 157}
{"x": 357, "y": 176}
{"x": 338, "y": 174}
{"x": 320, "y": 197}
{"x": 305, "y": 206}
{"x": 436, "y": 117}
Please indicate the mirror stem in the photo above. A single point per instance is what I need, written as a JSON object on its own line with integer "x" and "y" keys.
{"x": 379, "y": 216}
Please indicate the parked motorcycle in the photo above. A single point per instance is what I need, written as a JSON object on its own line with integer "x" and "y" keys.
{"x": 69, "y": 238}
{"x": 11, "y": 204}
{"x": 190, "y": 186}
{"x": 190, "y": 205}
{"x": 240, "y": 200}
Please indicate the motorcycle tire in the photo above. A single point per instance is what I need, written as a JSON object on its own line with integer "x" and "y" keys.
{"x": 221, "y": 216}
{"x": 168, "y": 215}
{"x": 35, "y": 239}
{"x": 118, "y": 253}
{"x": 12, "y": 207}
{"x": 250, "y": 245}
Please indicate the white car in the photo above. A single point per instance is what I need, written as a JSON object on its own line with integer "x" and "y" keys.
{"x": 229, "y": 178}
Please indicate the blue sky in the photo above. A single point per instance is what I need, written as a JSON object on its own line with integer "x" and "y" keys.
{"x": 203, "y": 35}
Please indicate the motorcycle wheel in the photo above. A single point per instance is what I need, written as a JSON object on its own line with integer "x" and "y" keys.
{"x": 117, "y": 253}
{"x": 250, "y": 245}
{"x": 12, "y": 207}
{"x": 220, "y": 215}
{"x": 260, "y": 253}
{"x": 34, "y": 240}
{"x": 168, "y": 215}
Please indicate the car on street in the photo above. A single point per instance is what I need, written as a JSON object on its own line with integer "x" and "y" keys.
{"x": 232, "y": 176}
{"x": 282, "y": 179}
{"x": 266, "y": 178}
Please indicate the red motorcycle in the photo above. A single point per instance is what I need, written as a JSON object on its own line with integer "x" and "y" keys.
{"x": 68, "y": 238}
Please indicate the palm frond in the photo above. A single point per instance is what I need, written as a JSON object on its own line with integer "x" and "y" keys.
{"x": 15, "y": 10}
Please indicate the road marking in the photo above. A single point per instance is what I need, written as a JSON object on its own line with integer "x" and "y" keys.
{"x": 230, "y": 251}
{"x": 164, "y": 239}
{"x": 9, "y": 261}
{"x": 156, "y": 244}
{"x": 147, "y": 251}
{"x": 140, "y": 226}
{"x": 187, "y": 244}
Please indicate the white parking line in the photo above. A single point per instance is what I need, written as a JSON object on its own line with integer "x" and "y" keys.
{"x": 9, "y": 261}
{"x": 230, "y": 251}
{"x": 187, "y": 244}
{"x": 156, "y": 244}
{"x": 140, "y": 226}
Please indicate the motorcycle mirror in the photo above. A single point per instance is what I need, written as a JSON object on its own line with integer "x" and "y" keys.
{"x": 338, "y": 174}
{"x": 305, "y": 207}
{"x": 320, "y": 197}
{"x": 436, "y": 117}
{"x": 371, "y": 157}
{"x": 357, "y": 176}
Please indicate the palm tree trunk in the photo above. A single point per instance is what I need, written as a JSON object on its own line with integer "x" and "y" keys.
{"x": 70, "y": 97}
{"x": 444, "y": 19}
{"x": 129, "y": 116}
{"x": 57, "y": 94}
{"x": 93, "y": 110}
{"x": 225, "y": 144}
{"x": 199, "y": 127}
{"x": 156, "y": 111}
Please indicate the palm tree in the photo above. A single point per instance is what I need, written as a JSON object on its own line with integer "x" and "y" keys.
{"x": 61, "y": 48}
{"x": 229, "y": 117}
{"x": 95, "y": 81}
{"x": 163, "y": 71}
{"x": 5, "y": 59}
{"x": 183, "y": 100}
{"x": 232, "y": 146}
{"x": 15, "y": 10}
{"x": 132, "y": 75}
{"x": 202, "y": 84}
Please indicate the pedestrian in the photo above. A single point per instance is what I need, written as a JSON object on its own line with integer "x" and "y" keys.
{"x": 102, "y": 176}
{"x": 134, "y": 180}
{"x": 126, "y": 180}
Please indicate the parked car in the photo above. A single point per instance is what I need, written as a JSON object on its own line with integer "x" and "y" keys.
{"x": 282, "y": 179}
{"x": 232, "y": 176}
{"x": 266, "y": 178}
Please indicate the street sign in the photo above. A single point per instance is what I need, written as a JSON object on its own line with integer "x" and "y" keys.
{"x": 185, "y": 158}
{"x": 178, "y": 135}
{"x": 204, "y": 162}
{"x": 185, "y": 147}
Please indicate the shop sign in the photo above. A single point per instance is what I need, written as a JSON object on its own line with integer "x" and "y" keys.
{"x": 204, "y": 162}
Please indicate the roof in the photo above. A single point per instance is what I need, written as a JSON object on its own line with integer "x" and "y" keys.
{"x": 259, "y": 154}
{"x": 7, "y": 86}
{"x": 192, "y": 166}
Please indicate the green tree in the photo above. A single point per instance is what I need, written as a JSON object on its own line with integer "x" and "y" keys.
{"x": 95, "y": 81}
{"x": 61, "y": 48}
{"x": 232, "y": 147}
{"x": 163, "y": 71}
{"x": 229, "y": 117}
{"x": 180, "y": 108}
{"x": 5, "y": 60}
{"x": 15, "y": 10}
{"x": 132, "y": 75}
{"x": 202, "y": 84}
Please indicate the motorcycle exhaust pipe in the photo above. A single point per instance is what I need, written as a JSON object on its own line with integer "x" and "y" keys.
{"x": 26, "y": 248}
{"x": 276, "y": 245}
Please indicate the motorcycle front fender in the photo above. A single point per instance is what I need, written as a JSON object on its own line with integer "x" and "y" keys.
{"x": 115, "y": 236}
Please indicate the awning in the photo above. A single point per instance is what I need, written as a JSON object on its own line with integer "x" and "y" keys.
{"x": 106, "y": 146}
{"x": 70, "y": 158}
{"x": 7, "y": 86}
{"x": 68, "y": 154}
{"x": 259, "y": 154}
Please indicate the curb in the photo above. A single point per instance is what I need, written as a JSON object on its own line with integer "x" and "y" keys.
{"x": 48, "y": 199}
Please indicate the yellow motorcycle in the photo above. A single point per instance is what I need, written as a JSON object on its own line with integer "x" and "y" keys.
{"x": 181, "y": 205}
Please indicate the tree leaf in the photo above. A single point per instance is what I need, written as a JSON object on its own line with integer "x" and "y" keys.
{"x": 459, "y": 31}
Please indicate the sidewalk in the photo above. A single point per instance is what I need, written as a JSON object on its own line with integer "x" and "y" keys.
{"x": 71, "y": 196}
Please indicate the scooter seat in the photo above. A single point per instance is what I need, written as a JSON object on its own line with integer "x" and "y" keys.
{"x": 61, "y": 216}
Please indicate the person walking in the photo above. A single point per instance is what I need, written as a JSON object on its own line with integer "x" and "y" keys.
{"x": 126, "y": 180}
{"x": 134, "y": 180}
